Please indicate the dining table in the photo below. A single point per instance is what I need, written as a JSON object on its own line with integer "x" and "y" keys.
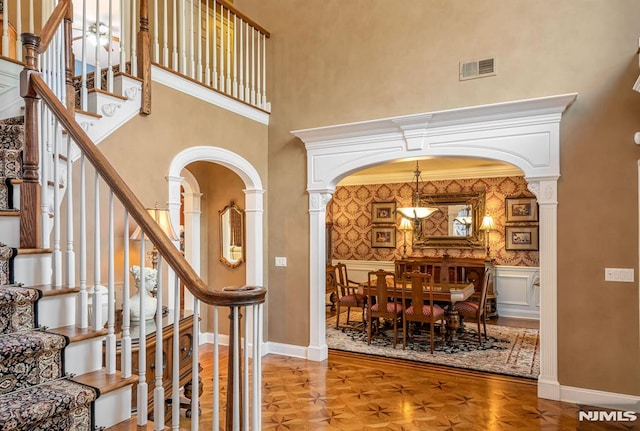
{"x": 445, "y": 293}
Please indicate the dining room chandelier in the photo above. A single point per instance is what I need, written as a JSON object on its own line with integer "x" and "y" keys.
{"x": 417, "y": 212}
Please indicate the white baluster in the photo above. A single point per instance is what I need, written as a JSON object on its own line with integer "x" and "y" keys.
{"x": 84, "y": 93}
{"x": 83, "y": 297}
{"x": 222, "y": 53}
{"x": 109, "y": 50}
{"x": 110, "y": 353}
{"x": 207, "y": 70}
{"x": 245, "y": 372}
{"x": 174, "y": 47}
{"x": 257, "y": 368}
{"x": 235, "y": 56}
{"x": 57, "y": 253}
{"x": 235, "y": 313}
{"x": 142, "y": 345}
{"x": 263, "y": 104}
{"x": 216, "y": 371}
{"x": 192, "y": 60}
{"x": 175, "y": 371}
{"x": 228, "y": 84}
{"x": 215, "y": 44}
{"x": 240, "y": 55}
{"x": 247, "y": 92}
{"x": 125, "y": 354}
{"x": 123, "y": 31}
{"x": 5, "y": 30}
{"x": 70, "y": 257}
{"x": 253, "y": 68}
{"x": 165, "y": 36}
{"x": 158, "y": 391}
{"x": 183, "y": 41}
{"x": 97, "y": 73}
{"x": 259, "y": 82}
{"x": 31, "y": 19}
{"x": 18, "y": 30}
{"x": 199, "y": 42}
{"x": 134, "y": 32}
{"x": 44, "y": 174}
{"x": 97, "y": 288}
{"x": 195, "y": 364}
{"x": 156, "y": 45}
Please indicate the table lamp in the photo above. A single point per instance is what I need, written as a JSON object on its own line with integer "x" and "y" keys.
{"x": 161, "y": 216}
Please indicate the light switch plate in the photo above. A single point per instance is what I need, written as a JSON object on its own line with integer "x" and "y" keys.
{"x": 281, "y": 261}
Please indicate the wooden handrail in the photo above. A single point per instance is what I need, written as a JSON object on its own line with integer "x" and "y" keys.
{"x": 247, "y": 295}
{"x": 51, "y": 26}
{"x": 245, "y": 18}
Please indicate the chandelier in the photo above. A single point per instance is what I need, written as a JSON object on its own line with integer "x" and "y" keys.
{"x": 417, "y": 212}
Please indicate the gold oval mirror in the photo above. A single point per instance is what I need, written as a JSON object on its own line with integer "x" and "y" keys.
{"x": 232, "y": 235}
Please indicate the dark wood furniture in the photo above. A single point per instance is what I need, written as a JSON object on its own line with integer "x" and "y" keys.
{"x": 348, "y": 294}
{"x": 448, "y": 269}
{"x": 381, "y": 303}
{"x": 185, "y": 358}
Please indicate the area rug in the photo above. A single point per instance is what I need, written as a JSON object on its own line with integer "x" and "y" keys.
{"x": 508, "y": 350}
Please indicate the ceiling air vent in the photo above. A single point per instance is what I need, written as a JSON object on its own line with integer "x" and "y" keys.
{"x": 477, "y": 69}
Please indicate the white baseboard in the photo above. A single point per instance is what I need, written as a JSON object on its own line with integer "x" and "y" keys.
{"x": 608, "y": 400}
{"x": 288, "y": 350}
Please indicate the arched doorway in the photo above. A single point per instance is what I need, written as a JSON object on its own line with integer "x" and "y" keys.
{"x": 523, "y": 133}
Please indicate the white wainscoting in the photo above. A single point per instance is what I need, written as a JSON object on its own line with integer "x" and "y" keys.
{"x": 518, "y": 293}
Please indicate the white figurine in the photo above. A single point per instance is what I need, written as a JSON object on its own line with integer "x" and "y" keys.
{"x": 150, "y": 280}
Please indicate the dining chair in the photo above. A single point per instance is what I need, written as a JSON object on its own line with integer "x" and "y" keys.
{"x": 477, "y": 310}
{"x": 380, "y": 304}
{"x": 348, "y": 294}
{"x": 422, "y": 309}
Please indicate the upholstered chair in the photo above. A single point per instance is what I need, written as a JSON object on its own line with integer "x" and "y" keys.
{"x": 477, "y": 310}
{"x": 417, "y": 291}
{"x": 348, "y": 294}
{"x": 381, "y": 302}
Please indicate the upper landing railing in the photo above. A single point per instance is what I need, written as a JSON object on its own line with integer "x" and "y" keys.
{"x": 207, "y": 41}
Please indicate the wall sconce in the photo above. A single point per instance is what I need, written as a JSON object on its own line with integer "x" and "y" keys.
{"x": 405, "y": 225}
{"x": 487, "y": 226}
{"x": 161, "y": 216}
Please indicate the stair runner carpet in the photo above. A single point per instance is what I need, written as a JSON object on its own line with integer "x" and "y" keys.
{"x": 11, "y": 146}
{"x": 35, "y": 393}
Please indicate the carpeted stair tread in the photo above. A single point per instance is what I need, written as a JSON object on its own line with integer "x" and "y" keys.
{"x": 18, "y": 120}
{"x": 30, "y": 358}
{"x": 57, "y": 405}
{"x": 17, "y": 308}
{"x": 7, "y": 254}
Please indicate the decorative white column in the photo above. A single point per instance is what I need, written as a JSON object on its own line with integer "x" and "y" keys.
{"x": 173, "y": 205}
{"x": 546, "y": 190}
{"x": 254, "y": 275}
{"x": 318, "y": 350}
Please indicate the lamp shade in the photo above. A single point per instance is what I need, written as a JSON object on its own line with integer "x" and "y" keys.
{"x": 161, "y": 216}
{"x": 405, "y": 224}
{"x": 416, "y": 212}
{"x": 487, "y": 223}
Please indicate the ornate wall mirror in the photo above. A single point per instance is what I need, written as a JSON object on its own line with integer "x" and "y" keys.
{"x": 232, "y": 235}
{"x": 456, "y": 225}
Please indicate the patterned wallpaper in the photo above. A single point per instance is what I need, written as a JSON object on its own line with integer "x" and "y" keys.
{"x": 350, "y": 213}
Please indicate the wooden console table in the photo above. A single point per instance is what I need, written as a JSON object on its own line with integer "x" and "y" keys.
{"x": 185, "y": 357}
{"x": 454, "y": 270}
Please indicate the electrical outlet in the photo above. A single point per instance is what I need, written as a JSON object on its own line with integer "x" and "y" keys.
{"x": 281, "y": 261}
{"x": 623, "y": 275}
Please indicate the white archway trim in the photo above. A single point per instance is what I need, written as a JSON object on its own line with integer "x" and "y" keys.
{"x": 523, "y": 133}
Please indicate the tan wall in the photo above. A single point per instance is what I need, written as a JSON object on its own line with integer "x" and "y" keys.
{"x": 350, "y": 214}
{"x": 143, "y": 148}
{"x": 333, "y": 62}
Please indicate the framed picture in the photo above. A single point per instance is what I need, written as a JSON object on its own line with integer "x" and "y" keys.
{"x": 383, "y": 212}
{"x": 521, "y": 237}
{"x": 521, "y": 209}
{"x": 383, "y": 237}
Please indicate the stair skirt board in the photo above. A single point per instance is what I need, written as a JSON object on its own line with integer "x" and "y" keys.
{"x": 56, "y": 405}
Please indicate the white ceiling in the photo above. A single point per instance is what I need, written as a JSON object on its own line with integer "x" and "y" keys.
{"x": 436, "y": 168}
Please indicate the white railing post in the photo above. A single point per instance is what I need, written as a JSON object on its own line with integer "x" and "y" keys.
{"x": 110, "y": 353}
{"x": 143, "y": 396}
{"x": 84, "y": 92}
{"x": 97, "y": 288}
{"x": 97, "y": 72}
{"x": 195, "y": 366}
{"x": 228, "y": 52}
{"x": 175, "y": 372}
{"x": 216, "y": 371}
{"x": 83, "y": 296}
{"x": 207, "y": 70}
{"x": 70, "y": 257}
{"x": 109, "y": 50}
{"x": 125, "y": 343}
{"x": 134, "y": 31}
{"x": 215, "y": 44}
{"x": 240, "y": 55}
{"x": 18, "y": 30}
{"x": 158, "y": 391}
{"x": 57, "y": 252}
{"x": 156, "y": 44}
{"x": 5, "y": 30}
{"x": 165, "y": 36}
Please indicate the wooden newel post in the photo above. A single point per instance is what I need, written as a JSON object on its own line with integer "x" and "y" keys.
{"x": 70, "y": 92}
{"x": 143, "y": 45}
{"x": 30, "y": 188}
